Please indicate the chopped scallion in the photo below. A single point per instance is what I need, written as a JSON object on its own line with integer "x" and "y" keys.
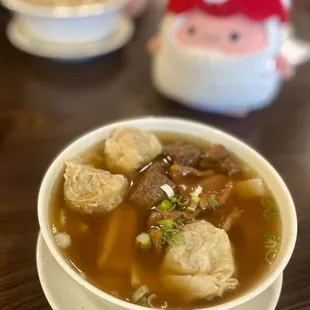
{"x": 139, "y": 293}
{"x": 197, "y": 192}
{"x": 167, "y": 224}
{"x": 272, "y": 245}
{"x": 183, "y": 201}
{"x": 163, "y": 241}
{"x": 144, "y": 240}
{"x": 270, "y": 208}
{"x": 174, "y": 199}
{"x": 165, "y": 205}
{"x": 270, "y": 214}
{"x": 271, "y": 237}
{"x": 213, "y": 202}
{"x": 195, "y": 199}
{"x": 177, "y": 239}
{"x": 143, "y": 301}
{"x": 267, "y": 202}
{"x": 168, "y": 190}
{"x": 63, "y": 240}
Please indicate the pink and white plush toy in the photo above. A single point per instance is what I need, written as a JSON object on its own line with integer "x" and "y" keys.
{"x": 221, "y": 56}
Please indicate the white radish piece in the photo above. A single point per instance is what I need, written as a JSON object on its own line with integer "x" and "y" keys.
{"x": 250, "y": 188}
{"x": 63, "y": 240}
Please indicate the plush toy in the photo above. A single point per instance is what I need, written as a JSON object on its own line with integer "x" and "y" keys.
{"x": 221, "y": 56}
{"x": 136, "y": 7}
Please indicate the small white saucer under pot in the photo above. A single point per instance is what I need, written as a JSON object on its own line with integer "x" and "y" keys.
{"x": 24, "y": 41}
{"x": 63, "y": 293}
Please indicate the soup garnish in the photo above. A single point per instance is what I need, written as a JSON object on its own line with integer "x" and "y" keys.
{"x": 270, "y": 208}
{"x": 165, "y": 220}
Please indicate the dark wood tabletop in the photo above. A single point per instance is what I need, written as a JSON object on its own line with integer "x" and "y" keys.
{"x": 45, "y": 104}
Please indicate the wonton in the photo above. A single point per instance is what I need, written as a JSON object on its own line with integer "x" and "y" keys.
{"x": 202, "y": 267}
{"x": 90, "y": 190}
{"x": 130, "y": 149}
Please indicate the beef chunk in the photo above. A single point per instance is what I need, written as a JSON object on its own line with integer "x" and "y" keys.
{"x": 220, "y": 196}
{"x": 171, "y": 215}
{"x": 161, "y": 163}
{"x": 179, "y": 173}
{"x": 228, "y": 166}
{"x": 218, "y": 186}
{"x": 216, "y": 153}
{"x": 146, "y": 192}
{"x": 217, "y": 157}
{"x": 184, "y": 154}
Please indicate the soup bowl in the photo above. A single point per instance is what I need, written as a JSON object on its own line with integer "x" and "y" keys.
{"x": 67, "y": 24}
{"x": 237, "y": 147}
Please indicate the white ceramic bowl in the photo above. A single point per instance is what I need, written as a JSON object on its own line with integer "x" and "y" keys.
{"x": 67, "y": 25}
{"x": 247, "y": 154}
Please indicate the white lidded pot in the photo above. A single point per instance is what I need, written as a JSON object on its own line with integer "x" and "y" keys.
{"x": 67, "y": 24}
{"x": 162, "y": 124}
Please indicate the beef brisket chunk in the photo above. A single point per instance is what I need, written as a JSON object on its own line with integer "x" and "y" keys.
{"x": 217, "y": 157}
{"x": 146, "y": 192}
{"x": 184, "y": 154}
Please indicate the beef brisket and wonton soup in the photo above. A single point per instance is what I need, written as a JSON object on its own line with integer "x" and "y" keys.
{"x": 165, "y": 220}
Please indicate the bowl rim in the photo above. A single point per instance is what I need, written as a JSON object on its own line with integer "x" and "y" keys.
{"x": 85, "y": 10}
{"x": 239, "y": 300}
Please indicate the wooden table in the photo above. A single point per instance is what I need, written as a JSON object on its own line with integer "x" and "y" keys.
{"x": 44, "y": 105}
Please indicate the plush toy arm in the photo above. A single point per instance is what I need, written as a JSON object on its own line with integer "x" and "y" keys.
{"x": 294, "y": 49}
{"x": 153, "y": 45}
{"x": 284, "y": 67}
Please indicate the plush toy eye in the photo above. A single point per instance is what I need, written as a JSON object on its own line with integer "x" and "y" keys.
{"x": 234, "y": 36}
{"x": 191, "y": 30}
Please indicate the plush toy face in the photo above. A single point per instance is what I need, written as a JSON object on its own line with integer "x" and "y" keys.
{"x": 230, "y": 35}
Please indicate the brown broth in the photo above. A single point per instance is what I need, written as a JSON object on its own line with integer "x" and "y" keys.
{"x": 110, "y": 270}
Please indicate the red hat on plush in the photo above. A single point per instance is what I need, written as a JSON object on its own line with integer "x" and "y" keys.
{"x": 259, "y": 10}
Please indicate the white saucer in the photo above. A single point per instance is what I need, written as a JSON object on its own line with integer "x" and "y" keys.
{"x": 64, "y": 294}
{"x": 24, "y": 41}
